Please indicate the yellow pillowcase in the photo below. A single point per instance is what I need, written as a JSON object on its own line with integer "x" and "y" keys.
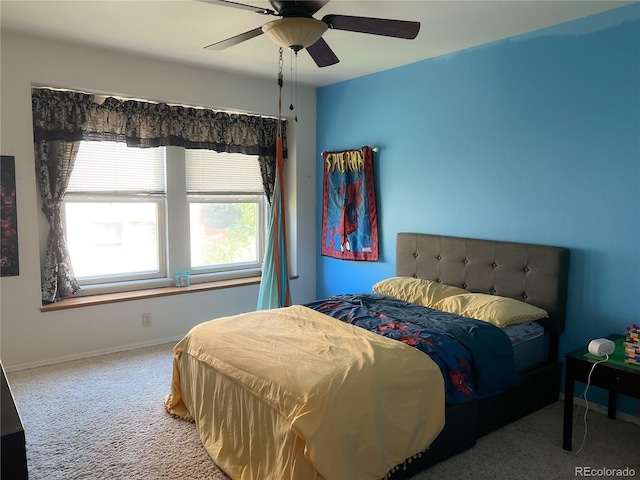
{"x": 416, "y": 290}
{"x": 500, "y": 311}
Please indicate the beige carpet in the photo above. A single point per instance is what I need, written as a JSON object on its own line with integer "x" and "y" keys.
{"x": 102, "y": 418}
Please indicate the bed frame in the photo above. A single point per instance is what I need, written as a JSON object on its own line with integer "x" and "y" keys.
{"x": 535, "y": 274}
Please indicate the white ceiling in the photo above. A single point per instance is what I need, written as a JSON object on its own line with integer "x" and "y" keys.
{"x": 178, "y": 30}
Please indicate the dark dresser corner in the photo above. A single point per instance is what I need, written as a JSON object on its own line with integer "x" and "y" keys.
{"x": 13, "y": 455}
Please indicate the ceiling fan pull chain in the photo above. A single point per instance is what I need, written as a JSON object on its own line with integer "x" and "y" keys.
{"x": 291, "y": 77}
{"x": 293, "y": 86}
{"x": 280, "y": 83}
{"x": 296, "y": 88}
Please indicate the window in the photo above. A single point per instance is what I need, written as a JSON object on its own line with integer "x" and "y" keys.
{"x": 114, "y": 213}
{"x": 143, "y": 215}
{"x": 227, "y": 208}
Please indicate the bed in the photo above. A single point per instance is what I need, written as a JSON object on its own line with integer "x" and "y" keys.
{"x": 363, "y": 405}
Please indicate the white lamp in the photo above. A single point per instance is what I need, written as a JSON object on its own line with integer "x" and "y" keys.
{"x": 295, "y": 33}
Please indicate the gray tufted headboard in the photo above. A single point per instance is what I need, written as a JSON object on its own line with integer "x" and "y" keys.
{"x": 535, "y": 274}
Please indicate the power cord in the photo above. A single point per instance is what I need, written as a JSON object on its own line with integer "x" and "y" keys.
{"x": 586, "y": 402}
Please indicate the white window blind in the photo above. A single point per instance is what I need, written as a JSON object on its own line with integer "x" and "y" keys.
{"x": 213, "y": 173}
{"x": 112, "y": 167}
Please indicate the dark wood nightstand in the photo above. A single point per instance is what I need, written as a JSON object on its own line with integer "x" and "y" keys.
{"x": 615, "y": 378}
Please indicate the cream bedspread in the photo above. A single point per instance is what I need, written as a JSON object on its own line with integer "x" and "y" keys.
{"x": 291, "y": 393}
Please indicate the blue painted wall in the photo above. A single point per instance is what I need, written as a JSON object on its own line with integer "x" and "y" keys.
{"x": 533, "y": 139}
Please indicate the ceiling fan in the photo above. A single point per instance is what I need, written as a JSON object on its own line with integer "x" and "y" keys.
{"x": 297, "y": 29}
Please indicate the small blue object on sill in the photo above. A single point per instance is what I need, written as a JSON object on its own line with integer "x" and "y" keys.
{"x": 183, "y": 280}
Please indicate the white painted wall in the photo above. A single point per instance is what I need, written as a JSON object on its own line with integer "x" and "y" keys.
{"x": 30, "y": 337}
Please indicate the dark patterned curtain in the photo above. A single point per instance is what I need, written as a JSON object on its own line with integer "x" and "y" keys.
{"x": 61, "y": 119}
{"x": 58, "y": 122}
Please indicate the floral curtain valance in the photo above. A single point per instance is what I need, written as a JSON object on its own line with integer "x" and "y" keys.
{"x": 72, "y": 116}
{"x": 58, "y": 115}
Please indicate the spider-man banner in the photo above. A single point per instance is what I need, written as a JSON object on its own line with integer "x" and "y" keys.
{"x": 349, "y": 220}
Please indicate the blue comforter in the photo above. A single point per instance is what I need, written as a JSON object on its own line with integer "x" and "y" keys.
{"x": 475, "y": 357}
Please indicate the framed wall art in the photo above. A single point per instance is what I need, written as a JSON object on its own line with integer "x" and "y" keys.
{"x": 9, "y": 219}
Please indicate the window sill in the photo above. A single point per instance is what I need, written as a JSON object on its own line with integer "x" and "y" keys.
{"x": 103, "y": 299}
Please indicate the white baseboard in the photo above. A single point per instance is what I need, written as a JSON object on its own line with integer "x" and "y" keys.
{"x": 600, "y": 409}
{"x": 95, "y": 353}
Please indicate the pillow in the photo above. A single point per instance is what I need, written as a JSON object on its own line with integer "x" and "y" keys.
{"x": 416, "y": 290}
{"x": 500, "y": 311}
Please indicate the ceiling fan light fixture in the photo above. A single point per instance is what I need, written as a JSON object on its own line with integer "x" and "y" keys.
{"x": 295, "y": 33}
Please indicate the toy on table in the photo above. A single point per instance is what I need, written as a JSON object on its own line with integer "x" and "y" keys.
{"x": 632, "y": 345}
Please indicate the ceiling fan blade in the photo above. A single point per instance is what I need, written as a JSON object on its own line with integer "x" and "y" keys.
{"x": 322, "y": 54}
{"x": 374, "y": 26}
{"x": 227, "y": 3}
{"x": 229, "y": 42}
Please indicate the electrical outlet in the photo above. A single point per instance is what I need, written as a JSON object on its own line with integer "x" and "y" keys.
{"x": 146, "y": 319}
